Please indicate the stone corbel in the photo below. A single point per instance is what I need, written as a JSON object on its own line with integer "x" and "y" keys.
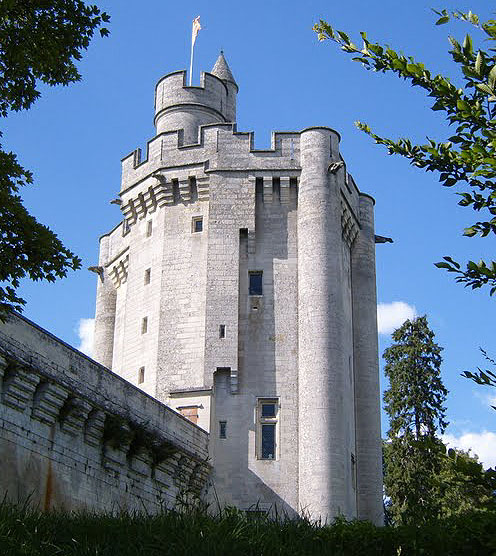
{"x": 202, "y": 188}
{"x": 185, "y": 190}
{"x": 73, "y": 415}
{"x": 267, "y": 191}
{"x": 284, "y": 190}
{"x": 3, "y": 365}
{"x": 117, "y": 440}
{"x": 93, "y": 429}
{"x": 19, "y": 385}
{"x": 48, "y": 400}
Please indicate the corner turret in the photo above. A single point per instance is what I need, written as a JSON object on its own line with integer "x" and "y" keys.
{"x": 222, "y": 70}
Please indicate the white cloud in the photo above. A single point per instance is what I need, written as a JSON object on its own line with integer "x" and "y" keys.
{"x": 487, "y": 399}
{"x": 85, "y": 331}
{"x": 483, "y": 444}
{"x": 392, "y": 315}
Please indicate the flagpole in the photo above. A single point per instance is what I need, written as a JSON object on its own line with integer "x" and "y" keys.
{"x": 194, "y": 32}
{"x": 191, "y": 62}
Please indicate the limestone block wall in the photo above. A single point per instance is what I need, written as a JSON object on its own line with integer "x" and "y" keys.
{"x": 74, "y": 435}
{"x": 367, "y": 390}
{"x": 267, "y": 359}
{"x": 293, "y": 213}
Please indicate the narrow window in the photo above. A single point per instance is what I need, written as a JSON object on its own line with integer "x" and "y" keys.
{"x": 222, "y": 429}
{"x": 353, "y": 471}
{"x": 141, "y": 375}
{"x": 276, "y": 189}
{"x": 256, "y": 282}
{"x": 144, "y": 325}
{"x": 176, "y": 196}
{"x": 267, "y": 428}
{"x": 148, "y": 273}
{"x": 149, "y": 228}
{"x": 259, "y": 190}
{"x": 125, "y": 227}
{"x": 190, "y": 412}
{"x": 222, "y": 331}
{"x": 193, "y": 189}
{"x": 197, "y": 224}
{"x": 293, "y": 190}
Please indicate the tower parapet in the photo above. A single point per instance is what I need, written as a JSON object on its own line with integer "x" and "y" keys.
{"x": 178, "y": 106}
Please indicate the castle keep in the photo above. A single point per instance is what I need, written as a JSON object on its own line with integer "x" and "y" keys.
{"x": 240, "y": 291}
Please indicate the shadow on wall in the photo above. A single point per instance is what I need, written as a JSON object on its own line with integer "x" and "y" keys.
{"x": 267, "y": 368}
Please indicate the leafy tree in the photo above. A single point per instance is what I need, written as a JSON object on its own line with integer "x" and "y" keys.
{"x": 414, "y": 402}
{"x": 40, "y": 41}
{"x": 468, "y": 157}
{"x": 464, "y": 485}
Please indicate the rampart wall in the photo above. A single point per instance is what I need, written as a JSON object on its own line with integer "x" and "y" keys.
{"x": 74, "y": 435}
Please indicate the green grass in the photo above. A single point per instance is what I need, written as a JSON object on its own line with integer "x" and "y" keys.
{"x": 24, "y": 531}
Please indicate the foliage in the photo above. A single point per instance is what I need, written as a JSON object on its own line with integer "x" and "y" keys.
{"x": 415, "y": 397}
{"x": 40, "y": 42}
{"x": 468, "y": 157}
{"x": 464, "y": 485}
{"x": 483, "y": 377}
{"x": 24, "y": 531}
{"x": 414, "y": 403}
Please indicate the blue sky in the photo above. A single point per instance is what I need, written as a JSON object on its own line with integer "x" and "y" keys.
{"x": 74, "y": 137}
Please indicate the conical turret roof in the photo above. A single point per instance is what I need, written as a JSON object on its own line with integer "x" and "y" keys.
{"x": 222, "y": 71}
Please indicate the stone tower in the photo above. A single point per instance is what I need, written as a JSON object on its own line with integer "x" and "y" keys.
{"x": 240, "y": 290}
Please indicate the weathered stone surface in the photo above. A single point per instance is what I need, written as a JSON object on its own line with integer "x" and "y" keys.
{"x": 308, "y": 342}
{"x": 55, "y": 448}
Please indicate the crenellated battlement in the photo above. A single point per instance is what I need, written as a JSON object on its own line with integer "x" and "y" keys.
{"x": 179, "y": 106}
{"x": 220, "y": 147}
{"x": 172, "y": 90}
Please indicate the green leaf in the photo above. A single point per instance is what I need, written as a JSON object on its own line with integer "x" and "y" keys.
{"x": 467, "y": 44}
{"x": 442, "y": 20}
{"x": 484, "y": 88}
{"x": 345, "y": 37}
{"x": 492, "y": 77}
{"x": 478, "y": 62}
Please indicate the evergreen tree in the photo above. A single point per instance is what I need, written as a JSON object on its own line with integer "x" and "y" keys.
{"x": 414, "y": 402}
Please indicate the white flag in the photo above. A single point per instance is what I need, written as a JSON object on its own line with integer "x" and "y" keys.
{"x": 196, "y": 28}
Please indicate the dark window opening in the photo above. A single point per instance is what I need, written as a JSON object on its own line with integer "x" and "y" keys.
{"x": 148, "y": 273}
{"x": 193, "y": 189}
{"x": 175, "y": 192}
{"x": 259, "y": 190}
{"x": 268, "y": 441}
{"x": 198, "y": 224}
{"x": 222, "y": 331}
{"x": 144, "y": 325}
{"x": 276, "y": 189}
{"x": 149, "y": 228}
{"x": 293, "y": 190}
{"x": 268, "y": 410}
{"x": 222, "y": 429}
{"x": 256, "y": 282}
{"x": 141, "y": 375}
